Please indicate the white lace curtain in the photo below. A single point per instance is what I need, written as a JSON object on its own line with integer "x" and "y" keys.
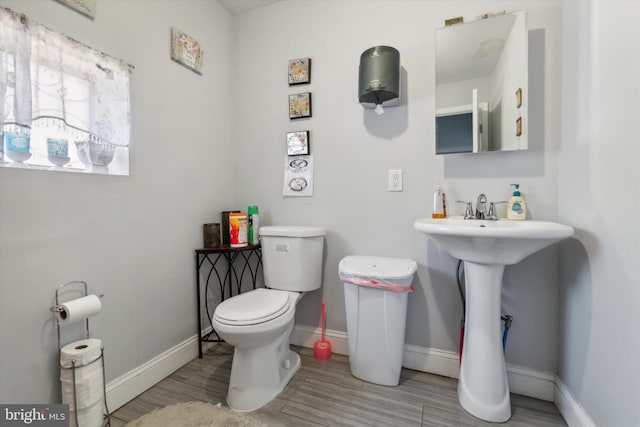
{"x": 49, "y": 79}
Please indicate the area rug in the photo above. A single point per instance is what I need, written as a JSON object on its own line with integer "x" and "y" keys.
{"x": 195, "y": 414}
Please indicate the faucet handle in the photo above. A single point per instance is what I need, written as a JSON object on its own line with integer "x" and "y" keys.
{"x": 468, "y": 210}
{"x": 491, "y": 215}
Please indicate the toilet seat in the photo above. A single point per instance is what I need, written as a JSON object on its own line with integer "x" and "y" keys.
{"x": 251, "y": 308}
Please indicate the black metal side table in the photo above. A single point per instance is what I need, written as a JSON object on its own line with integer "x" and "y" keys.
{"x": 242, "y": 265}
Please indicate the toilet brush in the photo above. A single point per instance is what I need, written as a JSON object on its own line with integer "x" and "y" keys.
{"x": 322, "y": 347}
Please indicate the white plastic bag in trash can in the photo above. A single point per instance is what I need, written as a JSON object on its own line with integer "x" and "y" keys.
{"x": 376, "y": 290}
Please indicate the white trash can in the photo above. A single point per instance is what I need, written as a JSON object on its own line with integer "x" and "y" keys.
{"x": 375, "y": 293}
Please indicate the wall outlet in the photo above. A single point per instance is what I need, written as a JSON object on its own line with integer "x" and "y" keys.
{"x": 395, "y": 180}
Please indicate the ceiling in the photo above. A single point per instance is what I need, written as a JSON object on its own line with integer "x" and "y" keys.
{"x": 236, "y": 7}
{"x": 471, "y": 50}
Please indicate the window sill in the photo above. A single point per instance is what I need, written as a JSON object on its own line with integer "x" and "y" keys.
{"x": 89, "y": 169}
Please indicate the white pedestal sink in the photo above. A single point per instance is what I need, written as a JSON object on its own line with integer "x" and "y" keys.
{"x": 486, "y": 247}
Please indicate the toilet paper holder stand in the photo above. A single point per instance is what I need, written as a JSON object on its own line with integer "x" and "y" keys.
{"x": 58, "y": 308}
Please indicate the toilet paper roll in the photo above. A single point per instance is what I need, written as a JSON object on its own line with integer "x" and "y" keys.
{"x": 88, "y": 391}
{"x": 89, "y": 375}
{"x": 91, "y": 416}
{"x": 83, "y": 352}
{"x": 78, "y": 309}
{"x": 82, "y": 373}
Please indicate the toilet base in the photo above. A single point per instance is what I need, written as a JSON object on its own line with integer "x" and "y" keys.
{"x": 260, "y": 374}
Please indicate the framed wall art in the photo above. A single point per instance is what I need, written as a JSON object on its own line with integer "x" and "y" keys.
{"x": 300, "y": 105}
{"x": 298, "y": 176}
{"x": 299, "y": 71}
{"x": 85, "y": 7}
{"x": 186, "y": 50}
{"x": 298, "y": 143}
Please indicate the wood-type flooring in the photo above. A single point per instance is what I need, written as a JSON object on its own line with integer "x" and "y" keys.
{"x": 326, "y": 394}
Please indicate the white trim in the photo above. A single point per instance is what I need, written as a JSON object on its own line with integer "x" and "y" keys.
{"x": 434, "y": 361}
{"x": 126, "y": 387}
{"x": 531, "y": 382}
{"x": 572, "y": 411}
{"x": 524, "y": 381}
{"x": 457, "y": 109}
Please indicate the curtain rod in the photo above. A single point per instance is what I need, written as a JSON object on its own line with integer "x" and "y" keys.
{"x": 24, "y": 19}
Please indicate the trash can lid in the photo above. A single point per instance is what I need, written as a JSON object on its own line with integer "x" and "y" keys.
{"x": 291, "y": 231}
{"x": 378, "y": 267}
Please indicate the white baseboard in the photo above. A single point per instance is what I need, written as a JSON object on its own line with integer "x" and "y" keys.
{"x": 434, "y": 361}
{"x": 306, "y": 336}
{"x": 572, "y": 411}
{"x": 524, "y": 381}
{"x": 126, "y": 387}
{"x": 531, "y": 382}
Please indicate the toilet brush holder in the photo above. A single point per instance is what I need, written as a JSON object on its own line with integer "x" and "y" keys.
{"x": 322, "y": 347}
{"x": 322, "y": 350}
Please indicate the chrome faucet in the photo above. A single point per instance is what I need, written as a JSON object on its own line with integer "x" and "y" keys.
{"x": 468, "y": 210}
{"x": 481, "y": 209}
{"x": 481, "y": 206}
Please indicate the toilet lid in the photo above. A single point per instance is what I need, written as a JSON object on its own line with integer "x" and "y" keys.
{"x": 253, "y": 307}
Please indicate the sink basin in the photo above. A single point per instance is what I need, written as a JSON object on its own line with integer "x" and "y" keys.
{"x": 486, "y": 247}
{"x": 492, "y": 242}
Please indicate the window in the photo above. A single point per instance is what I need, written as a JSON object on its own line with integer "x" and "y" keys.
{"x": 64, "y": 106}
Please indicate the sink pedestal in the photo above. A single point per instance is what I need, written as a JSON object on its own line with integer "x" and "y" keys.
{"x": 486, "y": 247}
{"x": 483, "y": 389}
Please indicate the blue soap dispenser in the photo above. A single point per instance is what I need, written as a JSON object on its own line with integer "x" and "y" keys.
{"x": 517, "y": 207}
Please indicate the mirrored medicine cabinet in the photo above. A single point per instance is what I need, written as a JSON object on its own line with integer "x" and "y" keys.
{"x": 481, "y": 85}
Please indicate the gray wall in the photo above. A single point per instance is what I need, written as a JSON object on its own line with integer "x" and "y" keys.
{"x": 353, "y": 149}
{"x": 599, "y": 175}
{"x": 129, "y": 237}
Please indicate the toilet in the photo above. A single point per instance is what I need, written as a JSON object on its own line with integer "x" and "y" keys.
{"x": 258, "y": 323}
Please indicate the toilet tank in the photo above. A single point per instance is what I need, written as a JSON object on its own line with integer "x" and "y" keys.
{"x": 292, "y": 257}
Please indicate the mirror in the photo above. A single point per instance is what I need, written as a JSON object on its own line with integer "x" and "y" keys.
{"x": 481, "y": 85}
